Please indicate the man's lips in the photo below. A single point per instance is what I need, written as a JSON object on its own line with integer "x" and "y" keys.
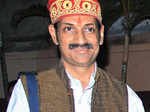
{"x": 81, "y": 50}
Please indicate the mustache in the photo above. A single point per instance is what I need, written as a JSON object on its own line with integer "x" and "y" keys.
{"x": 86, "y": 45}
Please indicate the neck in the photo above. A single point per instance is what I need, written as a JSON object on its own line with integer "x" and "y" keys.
{"x": 80, "y": 73}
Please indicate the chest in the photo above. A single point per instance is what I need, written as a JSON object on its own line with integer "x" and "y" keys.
{"x": 56, "y": 97}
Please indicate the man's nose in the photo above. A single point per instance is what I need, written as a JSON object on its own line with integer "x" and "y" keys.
{"x": 80, "y": 37}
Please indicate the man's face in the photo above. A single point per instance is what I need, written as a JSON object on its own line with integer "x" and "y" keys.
{"x": 78, "y": 38}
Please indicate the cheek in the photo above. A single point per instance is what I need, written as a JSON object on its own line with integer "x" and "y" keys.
{"x": 64, "y": 43}
{"x": 95, "y": 41}
{"x": 66, "y": 40}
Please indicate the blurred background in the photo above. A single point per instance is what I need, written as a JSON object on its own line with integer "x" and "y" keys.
{"x": 25, "y": 44}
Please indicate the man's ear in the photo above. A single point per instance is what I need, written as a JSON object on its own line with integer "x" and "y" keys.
{"x": 101, "y": 34}
{"x": 52, "y": 32}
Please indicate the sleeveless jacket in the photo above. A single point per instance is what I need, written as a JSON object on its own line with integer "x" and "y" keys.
{"x": 55, "y": 94}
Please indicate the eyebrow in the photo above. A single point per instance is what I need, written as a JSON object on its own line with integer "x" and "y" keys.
{"x": 68, "y": 24}
{"x": 89, "y": 24}
{"x": 73, "y": 24}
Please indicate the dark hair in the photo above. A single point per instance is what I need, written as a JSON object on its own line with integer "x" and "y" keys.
{"x": 98, "y": 23}
{"x": 56, "y": 30}
{"x": 56, "y": 26}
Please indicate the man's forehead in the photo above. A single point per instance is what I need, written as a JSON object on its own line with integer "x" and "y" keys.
{"x": 78, "y": 20}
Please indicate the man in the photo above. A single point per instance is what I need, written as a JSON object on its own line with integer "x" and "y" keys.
{"x": 77, "y": 84}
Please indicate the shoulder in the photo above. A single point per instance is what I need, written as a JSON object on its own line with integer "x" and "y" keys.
{"x": 18, "y": 100}
{"x": 48, "y": 75}
{"x": 134, "y": 102}
{"x": 18, "y": 86}
{"x": 106, "y": 75}
{"x": 132, "y": 94}
{"x": 107, "y": 80}
{"x": 43, "y": 74}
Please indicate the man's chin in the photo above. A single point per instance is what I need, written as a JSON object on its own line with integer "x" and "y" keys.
{"x": 79, "y": 62}
{"x": 83, "y": 64}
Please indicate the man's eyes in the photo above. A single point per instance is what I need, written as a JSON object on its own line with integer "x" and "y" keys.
{"x": 73, "y": 30}
{"x": 67, "y": 28}
{"x": 90, "y": 29}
